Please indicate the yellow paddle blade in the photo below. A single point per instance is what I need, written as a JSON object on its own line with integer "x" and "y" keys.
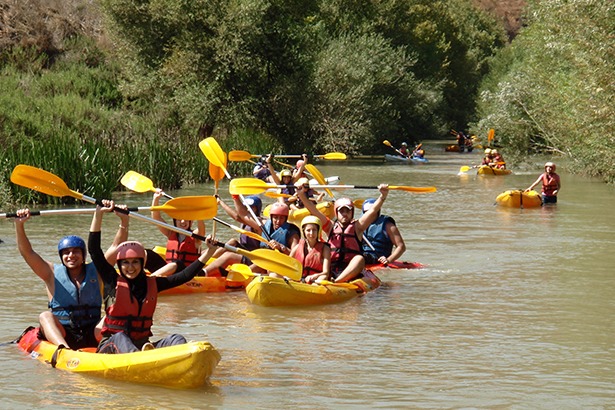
{"x": 358, "y": 203}
{"x": 193, "y": 208}
{"x": 319, "y": 177}
{"x": 271, "y": 194}
{"x": 137, "y": 182}
{"x": 248, "y": 186}
{"x": 215, "y": 173}
{"x": 274, "y": 261}
{"x": 490, "y": 135}
{"x": 387, "y": 143}
{"x": 238, "y": 272}
{"x": 214, "y": 153}
{"x": 238, "y": 155}
{"x": 42, "y": 181}
{"x": 419, "y": 190}
{"x": 464, "y": 168}
{"x": 332, "y": 156}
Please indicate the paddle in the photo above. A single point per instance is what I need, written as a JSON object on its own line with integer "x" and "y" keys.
{"x": 189, "y": 207}
{"x": 238, "y": 272}
{"x": 490, "y": 136}
{"x": 388, "y": 144}
{"x": 139, "y": 183}
{"x": 217, "y": 174}
{"x": 319, "y": 177}
{"x": 277, "y": 195}
{"x": 253, "y": 186}
{"x": 214, "y": 153}
{"x": 253, "y": 235}
{"x": 239, "y": 155}
{"x": 73, "y": 211}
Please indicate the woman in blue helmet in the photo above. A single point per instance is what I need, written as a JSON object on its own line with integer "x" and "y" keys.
{"x": 73, "y": 287}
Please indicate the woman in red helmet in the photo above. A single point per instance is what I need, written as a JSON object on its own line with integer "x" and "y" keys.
{"x": 551, "y": 184}
{"x": 132, "y": 295}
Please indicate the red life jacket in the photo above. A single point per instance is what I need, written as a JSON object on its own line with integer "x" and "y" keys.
{"x": 127, "y": 315}
{"x": 549, "y": 183}
{"x": 185, "y": 251}
{"x": 345, "y": 244}
{"x": 312, "y": 259}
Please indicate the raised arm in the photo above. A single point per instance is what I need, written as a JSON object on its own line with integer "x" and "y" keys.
{"x": 156, "y": 214}
{"x": 370, "y": 216}
{"x": 41, "y": 267}
{"x": 120, "y": 236}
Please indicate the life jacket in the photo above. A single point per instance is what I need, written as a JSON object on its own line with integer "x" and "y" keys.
{"x": 247, "y": 242}
{"x": 549, "y": 183}
{"x": 289, "y": 190}
{"x": 282, "y": 234}
{"x": 345, "y": 244}
{"x": 312, "y": 259}
{"x": 377, "y": 235}
{"x": 76, "y": 308}
{"x": 185, "y": 250}
{"x": 128, "y": 315}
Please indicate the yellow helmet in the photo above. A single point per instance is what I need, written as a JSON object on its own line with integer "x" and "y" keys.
{"x": 285, "y": 173}
{"x": 311, "y": 219}
{"x": 487, "y": 151}
{"x": 494, "y": 151}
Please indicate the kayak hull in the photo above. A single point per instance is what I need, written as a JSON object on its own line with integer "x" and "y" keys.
{"x": 182, "y": 366}
{"x": 269, "y": 291}
{"x": 519, "y": 199}
{"x": 207, "y": 284}
{"x": 405, "y": 160}
{"x": 487, "y": 170}
{"x": 396, "y": 265}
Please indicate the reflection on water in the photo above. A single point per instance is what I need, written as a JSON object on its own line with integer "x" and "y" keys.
{"x": 514, "y": 309}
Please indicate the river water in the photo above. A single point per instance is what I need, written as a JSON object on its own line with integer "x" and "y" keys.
{"x": 515, "y": 309}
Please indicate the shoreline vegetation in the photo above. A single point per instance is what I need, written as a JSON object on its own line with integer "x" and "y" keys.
{"x": 90, "y": 90}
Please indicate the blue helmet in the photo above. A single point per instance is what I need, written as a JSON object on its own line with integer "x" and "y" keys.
{"x": 71, "y": 241}
{"x": 254, "y": 200}
{"x": 367, "y": 204}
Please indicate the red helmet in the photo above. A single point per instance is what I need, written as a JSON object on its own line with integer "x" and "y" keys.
{"x": 279, "y": 209}
{"x": 131, "y": 249}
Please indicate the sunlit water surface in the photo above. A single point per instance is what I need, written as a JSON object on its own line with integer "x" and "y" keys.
{"x": 515, "y": 309}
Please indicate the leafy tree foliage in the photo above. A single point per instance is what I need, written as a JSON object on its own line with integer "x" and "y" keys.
{"x": 552, "y": 90}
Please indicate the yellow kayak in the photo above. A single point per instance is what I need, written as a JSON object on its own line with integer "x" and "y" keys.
{"x": 270, "y": 291}
{"x": 487, "y": 170}
{"x": 515, "y": 198}
{"x": 182, "y": 366}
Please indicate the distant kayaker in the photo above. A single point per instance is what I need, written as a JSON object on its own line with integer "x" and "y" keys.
{"x": 131, "y": 294}
{"x": 488, "y": 158}
{"x": 179, "y": 247}
{"x": 497, "y": 160}
{"x": 418, "y": 152}
{"x": 313, "y": 253}
{"x": 404, "y": 150}
{"x": 551, "y": 184}
{"x": 346, "y": 233}
{"x": 73, "y": 287}
{"x": 384, "y": 236}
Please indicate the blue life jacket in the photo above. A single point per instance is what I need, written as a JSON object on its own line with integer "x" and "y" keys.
{"x": 377, "y": 235}
{"x": 282, "y": 234}
{"x": 76, "y": 308}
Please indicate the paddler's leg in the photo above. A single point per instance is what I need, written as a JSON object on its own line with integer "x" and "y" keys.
{"x": 354, "y": 268}
{"x": 52, "y": 329}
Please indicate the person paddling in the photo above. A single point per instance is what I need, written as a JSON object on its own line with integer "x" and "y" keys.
{"x": 132, "y": 295}
{"x": 551, "y": 184}
{"x": 345, "y": 233}
{"x": 73, "y": 287}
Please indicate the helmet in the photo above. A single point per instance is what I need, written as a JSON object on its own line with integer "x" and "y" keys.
{"x": 279, "y": 209}
{"x": 494, "y": 151}
{"x": 404, "y": 144}
{"x": 254, "y": 200}
{"x": 550, "y": 164}
{"x": 302, "y": 181}
{"x": 367, "y": 205}
{"x": 299, "y": 163}
{"x": 285, "y": 173}
{"x": 488, "y": 151}
{"x": 131, "y": 249}
{"x": 71, "y": 241}
{"x": 311, "y": 219}
{"x": 343, "y": 203}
